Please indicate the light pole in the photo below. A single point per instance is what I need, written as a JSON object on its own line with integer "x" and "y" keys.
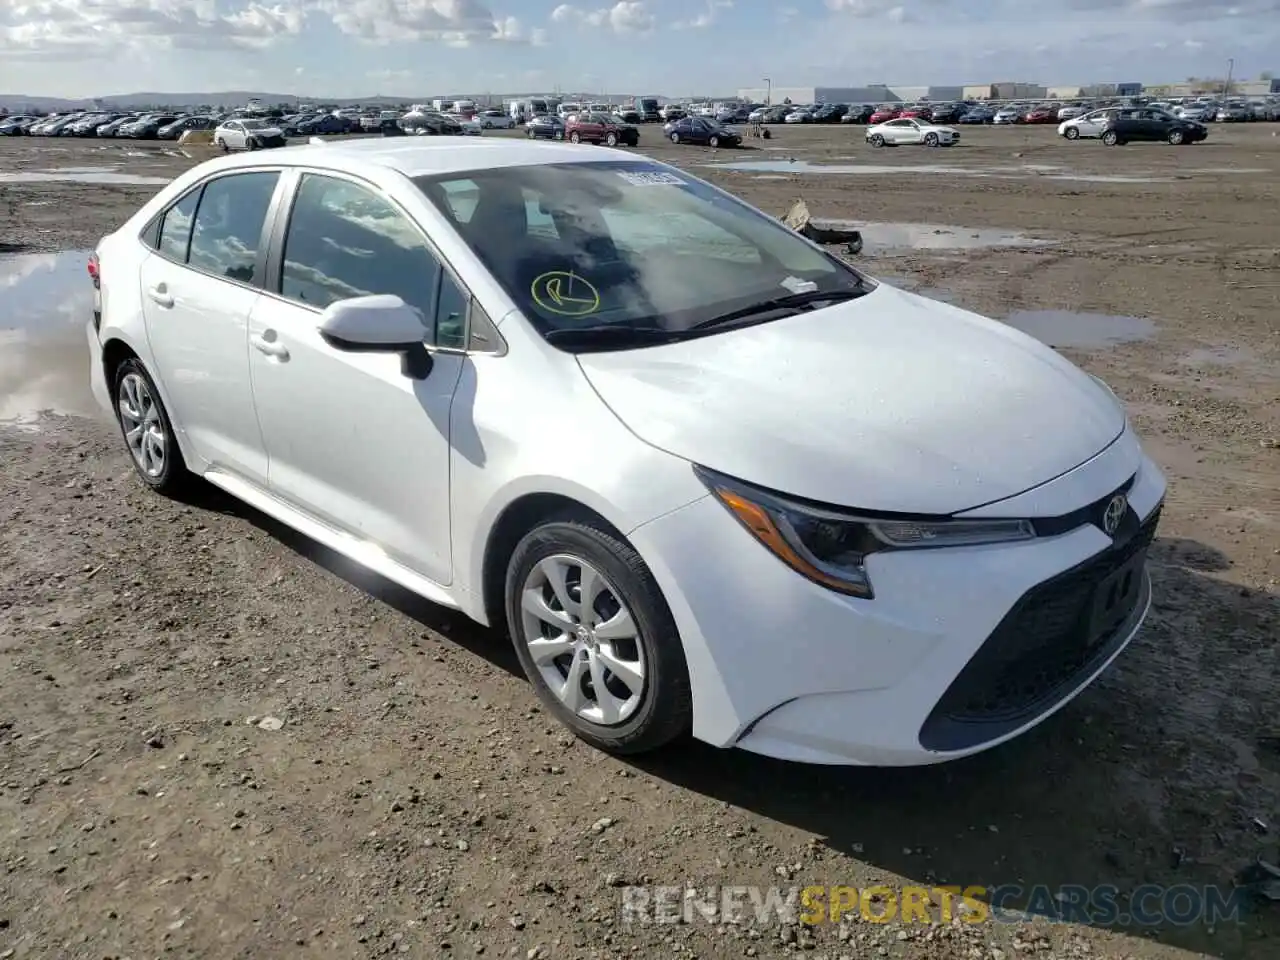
{"x": 768, "y": 92}
{"x": 1231, "y": 68}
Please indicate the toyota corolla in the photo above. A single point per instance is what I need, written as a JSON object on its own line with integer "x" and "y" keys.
{"x": 710, "y": 478}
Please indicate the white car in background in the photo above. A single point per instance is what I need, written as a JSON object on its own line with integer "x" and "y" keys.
{"x": 471, "y": 126}
{"x": 909, "y": 130}
{"x": 809, "y": 515}
{"x": 1071, "y": 111}
{"x": 495, "y": 120}
{"x": 247, "y": 135}
{"x": 1196, "y": 112}
{"x": 1088, "y": 125}
{"x": 1008, "y": 115}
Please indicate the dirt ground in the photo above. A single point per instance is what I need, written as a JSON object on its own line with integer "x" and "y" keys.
{"x": 217, "y": 740}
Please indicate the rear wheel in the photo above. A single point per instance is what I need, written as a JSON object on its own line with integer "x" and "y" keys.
{"x": 147, "y": 432}
{"x": 1111, "y": 139}
{"x": 596, "y": 638}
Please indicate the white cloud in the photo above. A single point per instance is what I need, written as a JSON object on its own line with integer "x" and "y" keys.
{"x": 458, "y": 23}
{"x": 708, "y": 16}
{"x": 626, "y": 16}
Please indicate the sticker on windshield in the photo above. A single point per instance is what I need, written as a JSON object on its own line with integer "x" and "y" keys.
{"x": 650, "y": 178}
{"x": 564, "y": 293}
{"x": 796, "y": 285}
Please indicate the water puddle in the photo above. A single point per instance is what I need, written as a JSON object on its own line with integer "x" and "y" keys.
{"x": 45, "y": 302}
{"x": 1039, "y": 172}
{"x": 1063, "y": 328}
{"x": 1220, "y": 357}
{"x": 101, "y": 175}
{"x": 888, "y": 237}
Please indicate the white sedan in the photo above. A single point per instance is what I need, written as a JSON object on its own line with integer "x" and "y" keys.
{"x": 247, "y": 135}
{"x": 495, "y": 120}
{"x": 348, "y": 339}
{"x": 1088, "y": 125}
{"x": 907, "y": 130}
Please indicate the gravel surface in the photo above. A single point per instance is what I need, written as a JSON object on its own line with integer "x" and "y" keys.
{"x": 218, "y": 740}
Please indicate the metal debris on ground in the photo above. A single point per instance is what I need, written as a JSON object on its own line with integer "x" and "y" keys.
{"x": 825, "y": 232}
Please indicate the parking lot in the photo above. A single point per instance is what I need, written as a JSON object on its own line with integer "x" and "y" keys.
{"x": 217, "y": 739}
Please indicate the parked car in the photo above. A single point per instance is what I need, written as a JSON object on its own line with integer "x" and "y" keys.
{"x": 977, "y": 115}
{"x": 799, "y": 115}
{"x": 770, "y": 115}
{"x": 600, "y": 128}
{"x": 1234, "y": 113}
{"x": 113, "y": 128}
{"x": 1007, "y": 115}
{"x": 1040, "y": 114}
{"x": 958, "y": 576}
{"x": 859, "y": 113}
{"x": 147, "y": 128}
{"x": 54, "y": 126}
{"x": 429, "y": 123}
{"x": 324, "y": 124}
{"x": 904, "y": 130}
{"x": 1130, "y": 126}
{"x": 545, "y": 127}
{"x": 703, "y": 131}
{"x": 175, "y": 130}
{"x": 1089, "y": 125}
{"x": 248, "y": 135}
{"x": 495, "y": 120}
{"x": 884, "y": 114}
{"x": 1071, "y": 111}
{"x": 1196, "y": 112}
{"x": 946, "y": 113}
{"x": 16, "y": 125}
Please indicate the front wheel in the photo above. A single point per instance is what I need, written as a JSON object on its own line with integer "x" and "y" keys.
{"x": 1176, "y": 137}
{"x": 596, "y": 638}
{"x": 1072, "y": 133}
{"x": 251, "y": 143}
{"x": 529, "y": 133}
{"x": 1110, "y": 138}
{"x": 930, "y": 139}
{"x": 221, "y": 145}
{"x": 877, "y": 140}
{"x": 675, "y": 138}
{"x": 611, "y": 140}
{"x": 575, "y": 137}
{"x": 147, "y": 432}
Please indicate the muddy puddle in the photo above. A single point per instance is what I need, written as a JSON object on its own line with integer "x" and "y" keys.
{"x": 1024, "y": 171}
{"x": 1064, "y": 328}
{"x": 45, "y": 302}
{"x": 878, "y": 237}
{"x": 100, "y": 175}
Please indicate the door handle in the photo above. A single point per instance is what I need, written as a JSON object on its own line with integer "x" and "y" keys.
{"x": 271, "y": 347}
{"x": 161, "y": 295}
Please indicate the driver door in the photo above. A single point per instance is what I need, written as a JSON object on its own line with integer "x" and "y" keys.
{"x": 913, "y": 132}
{"x": 350, "y": 439}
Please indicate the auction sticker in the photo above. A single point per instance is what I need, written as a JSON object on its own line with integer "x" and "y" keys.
{"x": 653, "y": 178}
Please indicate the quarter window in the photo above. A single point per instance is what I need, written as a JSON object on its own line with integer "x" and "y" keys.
{"x": 345, "y": 241}
{"x": 228, "y": 225}
{"x": 175, "y": 228}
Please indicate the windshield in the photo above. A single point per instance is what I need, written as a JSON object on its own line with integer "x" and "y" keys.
{"x": 254, "y": 124}
{"x": 628, "y": 244}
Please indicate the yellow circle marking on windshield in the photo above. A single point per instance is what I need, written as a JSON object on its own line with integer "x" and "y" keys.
{"x": 565, "y": 293}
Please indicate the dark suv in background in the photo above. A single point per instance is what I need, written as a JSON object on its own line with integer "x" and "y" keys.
{"x": 1145, "y": 124}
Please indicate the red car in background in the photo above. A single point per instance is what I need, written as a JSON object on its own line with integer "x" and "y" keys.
{"x": 883, "y": 114}
{"x": 915, "y": 112}
{"x": 1040, "y": 115}
{"x": 600, "y": 128}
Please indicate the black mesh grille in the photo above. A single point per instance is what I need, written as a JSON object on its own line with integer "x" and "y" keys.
{"x": 1044, "y": 647}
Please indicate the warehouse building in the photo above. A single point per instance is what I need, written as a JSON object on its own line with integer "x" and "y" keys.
{"x": 872, "y": 93}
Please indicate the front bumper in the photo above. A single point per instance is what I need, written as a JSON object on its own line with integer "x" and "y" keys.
{"x": 961, "y": 649}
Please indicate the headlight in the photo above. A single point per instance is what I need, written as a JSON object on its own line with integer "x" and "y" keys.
{"x": 830, "y": 547}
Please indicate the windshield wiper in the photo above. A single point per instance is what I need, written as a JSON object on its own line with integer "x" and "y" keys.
{"x": 793, "y": 301}
{"x": 609, "y": 335}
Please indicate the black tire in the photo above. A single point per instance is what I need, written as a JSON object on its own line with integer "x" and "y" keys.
{"x": 1177, "y": 137}
{"x": 251, "y": 143}
{"x": 675, "y": 138}
{"x": 1072, "y": 133}
{"x": 713, "y": 143}
{"x": 877, "y": 140}
{"x": 1111, "y": 138}
{"x": 530, "y": 134}
{"x": 575, "y": 137}
{"x": 611, "y": 140}
{"x": 174, "y": 478}
{"x": 666, "y": 708}
{"x": 221, "y": 145}
{"x": 558, "y": 135}
{"x": 930, "y": 139}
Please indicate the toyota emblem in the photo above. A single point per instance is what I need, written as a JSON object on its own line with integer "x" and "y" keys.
{"x": 1114, "y": 513}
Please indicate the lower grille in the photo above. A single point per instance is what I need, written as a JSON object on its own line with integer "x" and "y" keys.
{"x": 1053, "y": 638}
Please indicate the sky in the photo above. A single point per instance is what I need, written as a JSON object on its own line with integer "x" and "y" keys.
{"x": 355, "y": 48}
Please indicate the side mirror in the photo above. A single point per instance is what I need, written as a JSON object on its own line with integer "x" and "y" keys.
{"x": 379, "y": 324}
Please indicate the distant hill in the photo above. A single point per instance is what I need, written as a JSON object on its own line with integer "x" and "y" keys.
{"x": 236, "y": 98}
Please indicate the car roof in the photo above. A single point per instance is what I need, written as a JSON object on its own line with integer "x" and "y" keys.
{"x": 426, "y": 156}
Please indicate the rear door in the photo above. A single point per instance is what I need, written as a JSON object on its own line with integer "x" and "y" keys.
{"x": 199, "y": 286}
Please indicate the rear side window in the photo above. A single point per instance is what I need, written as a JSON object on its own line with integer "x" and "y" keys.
{"x": 228, "y": 225}
{"x": 175, "y": 228}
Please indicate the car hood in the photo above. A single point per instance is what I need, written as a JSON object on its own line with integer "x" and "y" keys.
{"x": 889, "y": 402}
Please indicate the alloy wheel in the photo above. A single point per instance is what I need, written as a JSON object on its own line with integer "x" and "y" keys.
{"x": 583, "y": 640}
{"x": 142, "y": 425}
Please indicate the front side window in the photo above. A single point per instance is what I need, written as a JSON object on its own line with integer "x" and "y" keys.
{"x": 628, "y": 243}
{"x": 228, "y": 225}
{"x": 344, "y": 241}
